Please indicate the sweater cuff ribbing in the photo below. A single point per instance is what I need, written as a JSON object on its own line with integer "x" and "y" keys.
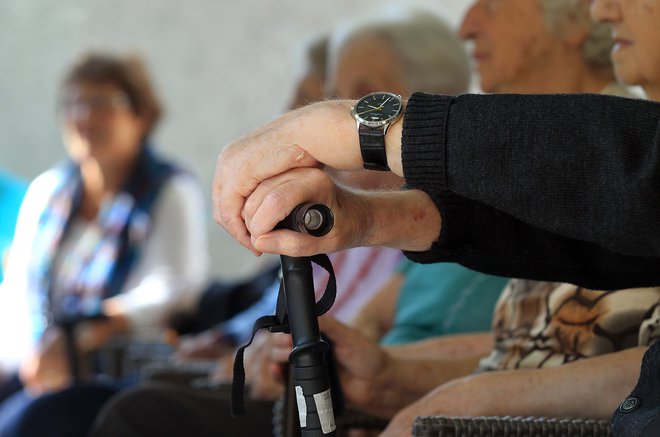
{"x": 423, "y": 143}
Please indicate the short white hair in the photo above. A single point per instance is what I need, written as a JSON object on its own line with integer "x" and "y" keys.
{"x": 564, "y": 16}
{"x": 434, "y": 58}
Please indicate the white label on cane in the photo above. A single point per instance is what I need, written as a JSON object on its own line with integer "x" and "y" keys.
{"x": 323, "y": 403}
{"x": 302, "y": 406}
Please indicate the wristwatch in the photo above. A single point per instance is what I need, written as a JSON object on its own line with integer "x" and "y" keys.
{"x": 374, "y": 114}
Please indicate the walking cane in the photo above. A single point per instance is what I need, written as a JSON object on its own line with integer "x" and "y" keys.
{"x": 297, "y": 312}
{"x": 308, "y": 373}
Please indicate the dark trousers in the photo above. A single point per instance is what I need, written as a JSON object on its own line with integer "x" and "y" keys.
{"x": 9, "y": 387}
{"x": 66, "y": 413}
{"x": 162, "y": 410}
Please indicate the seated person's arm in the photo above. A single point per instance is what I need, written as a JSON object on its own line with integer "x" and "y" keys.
{"x": 222, "y": 338}
{"x": 587, "y": 388}
{"x": 375, "y": 318}
{"x": 376, "y": 382}
{"x": 455, "y": 346}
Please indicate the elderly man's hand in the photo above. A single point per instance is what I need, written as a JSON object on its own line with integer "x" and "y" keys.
{"x": 323, "y": 133}
{"x": 275, "y": 197}
{"x": 404, "y": 219}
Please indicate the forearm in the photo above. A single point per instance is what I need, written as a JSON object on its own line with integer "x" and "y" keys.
{"x": 587, "y": 388}
{"x": 327, "y": 132}
{"x": 404, "y": 381}
{"x": 454, "y": 346}
{"x": 330, "y": 135}
{"x": 375, "y": 318}
{"x": 405, "y": 220}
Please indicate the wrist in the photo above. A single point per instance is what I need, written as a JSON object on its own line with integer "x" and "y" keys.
{"x": 393, "y": 145}
{"x": 330, "y": 134}
{"x": 377, "y": 116}
{"x": 406, "y": 220}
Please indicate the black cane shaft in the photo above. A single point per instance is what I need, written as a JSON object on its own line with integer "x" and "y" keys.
{"x": 300, "y": 299}
{"x": 309, "y": 373}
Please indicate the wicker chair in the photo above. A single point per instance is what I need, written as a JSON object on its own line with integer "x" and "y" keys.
{"x": 437, "y": 426}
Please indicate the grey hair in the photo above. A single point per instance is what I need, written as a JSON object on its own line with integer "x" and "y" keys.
{"x": 564, "y": 16}
{"x": 434, "y": 59}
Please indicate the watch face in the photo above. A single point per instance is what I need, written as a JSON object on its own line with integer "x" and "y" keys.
{"x": 377, "y": 109}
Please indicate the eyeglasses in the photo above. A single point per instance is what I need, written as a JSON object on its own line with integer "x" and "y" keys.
{"x": 102, "y": 104}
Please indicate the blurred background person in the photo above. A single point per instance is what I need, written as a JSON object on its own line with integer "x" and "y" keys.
{"x": 114, "y": 236}
{"x": 402, "y": 53}
{"x": 552, "y": 48}
{"x": 311, "y": 73}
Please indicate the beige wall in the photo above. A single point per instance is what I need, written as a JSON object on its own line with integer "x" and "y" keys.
{"x": 223, "y": 67}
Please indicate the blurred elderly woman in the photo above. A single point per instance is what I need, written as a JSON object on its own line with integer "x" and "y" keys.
{"x": 411, "y": 51}
{"x": 543, "y": 46}
{"x": 112, "y": 237}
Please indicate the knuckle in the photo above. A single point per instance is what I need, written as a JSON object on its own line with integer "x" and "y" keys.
{"x": 221, "y": 216}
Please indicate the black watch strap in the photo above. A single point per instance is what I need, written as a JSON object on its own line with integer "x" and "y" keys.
{"x": 372, "y": 146}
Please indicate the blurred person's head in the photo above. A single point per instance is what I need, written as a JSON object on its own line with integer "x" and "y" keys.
{"x": 310, "y": 85}
{"x": 108, "y": 109}
{"x": 635, "y": 26}
{"x": 538, "y": 46}
{"x": 413, "y": 52}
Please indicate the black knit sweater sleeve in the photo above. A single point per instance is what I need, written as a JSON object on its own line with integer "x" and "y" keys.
{"x": 578, "y": 173}
{"x": 482, "y": 238}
